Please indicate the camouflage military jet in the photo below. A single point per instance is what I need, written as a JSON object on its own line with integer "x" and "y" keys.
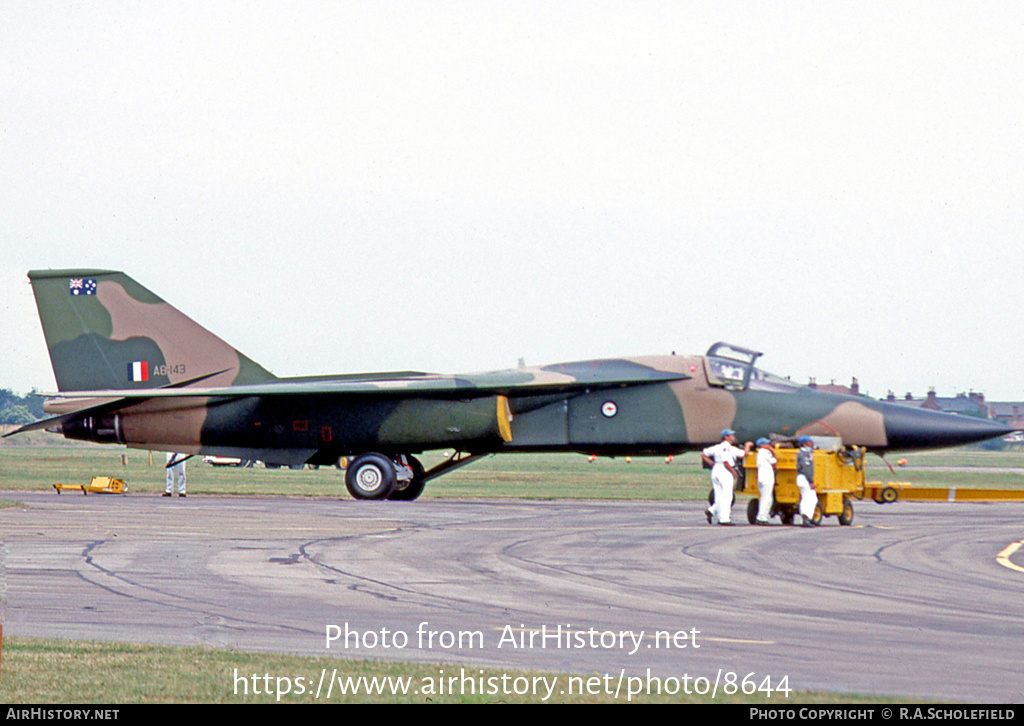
{"x": 133, "y": 370}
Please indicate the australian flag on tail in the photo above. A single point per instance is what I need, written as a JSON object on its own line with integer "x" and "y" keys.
{"x": 81, "y": 286}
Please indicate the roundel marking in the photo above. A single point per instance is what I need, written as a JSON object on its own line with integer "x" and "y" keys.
{"x": 609, "y": 409}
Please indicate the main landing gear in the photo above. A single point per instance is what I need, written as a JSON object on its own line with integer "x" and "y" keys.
{"x": 400, "y": 478}
{"x": 376, "y": 476}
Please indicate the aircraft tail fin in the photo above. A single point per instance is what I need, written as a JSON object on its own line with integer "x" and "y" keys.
{"x": 105, "y": 331}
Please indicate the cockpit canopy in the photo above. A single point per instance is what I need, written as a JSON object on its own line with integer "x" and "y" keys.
{"x": 732, "y": 368}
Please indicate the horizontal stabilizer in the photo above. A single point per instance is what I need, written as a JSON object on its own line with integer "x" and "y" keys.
{"x": 52, "y": 423}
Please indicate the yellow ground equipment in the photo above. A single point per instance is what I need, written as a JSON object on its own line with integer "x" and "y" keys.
{"x": 885, "y": 493}
{"x": 97, "y": 485}
{"x": 838, "y": 480}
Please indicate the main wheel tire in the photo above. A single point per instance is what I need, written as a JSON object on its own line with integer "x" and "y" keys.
{"x": 817, "y": 517}
{"x": 370, "y": 476}
{"x": 888, "y": 495}
{"x": 415, "y": 487}
{"x": 752, "y": 506}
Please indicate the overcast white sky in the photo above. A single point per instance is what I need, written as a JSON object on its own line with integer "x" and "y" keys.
{"x": 450, "y": 186}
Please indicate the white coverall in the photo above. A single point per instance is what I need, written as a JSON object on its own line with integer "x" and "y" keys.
{"x": 808, "y": 497}
{"x": 177, "y": 469}
{"x": 765, "y": 483}
{"x": 722, "y": 481}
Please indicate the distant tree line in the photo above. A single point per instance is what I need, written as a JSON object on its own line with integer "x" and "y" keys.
{"x": 19, "y": 410}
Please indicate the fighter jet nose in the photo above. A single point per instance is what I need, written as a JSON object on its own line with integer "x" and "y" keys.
{"x": 915, "y": 428}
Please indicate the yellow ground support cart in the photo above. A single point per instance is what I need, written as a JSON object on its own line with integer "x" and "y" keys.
{"x": 97, "y": 485}
{"x": 838, "y": 480}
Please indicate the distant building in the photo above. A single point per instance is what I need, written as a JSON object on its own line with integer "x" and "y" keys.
{"x": 971, "y": 403}
{"x": 833, "y": 387}
{"x": 1010, "y": 413}
{"x": 967, "y": 404}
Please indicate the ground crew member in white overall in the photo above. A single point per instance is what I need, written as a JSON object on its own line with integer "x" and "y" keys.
{"x": 766, "y": 463}
{"x": 722, "y": 458}
{"x": 172, "y": 471}
{"x": 805, "y": 480}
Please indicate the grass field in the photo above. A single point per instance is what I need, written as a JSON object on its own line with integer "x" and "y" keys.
{"x": 56, "y": 671}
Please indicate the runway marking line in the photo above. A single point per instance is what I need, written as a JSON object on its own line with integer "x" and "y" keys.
{"x": 1003, "y": 558}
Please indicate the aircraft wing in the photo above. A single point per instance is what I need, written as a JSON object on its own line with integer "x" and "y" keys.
{"x": 513, "y": 384}
{"x": 562, "y": 379}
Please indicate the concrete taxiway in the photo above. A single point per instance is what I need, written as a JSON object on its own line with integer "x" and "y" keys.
{"x": 911, "y": 600}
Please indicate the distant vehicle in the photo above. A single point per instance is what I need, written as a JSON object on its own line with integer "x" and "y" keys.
{"x": 134, "y": 370}
{"x": 226, "y": 461}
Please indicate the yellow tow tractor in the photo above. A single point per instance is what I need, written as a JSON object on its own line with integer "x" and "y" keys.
{"x": 96, "y": 485}
{"x": 838, "y": 480}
